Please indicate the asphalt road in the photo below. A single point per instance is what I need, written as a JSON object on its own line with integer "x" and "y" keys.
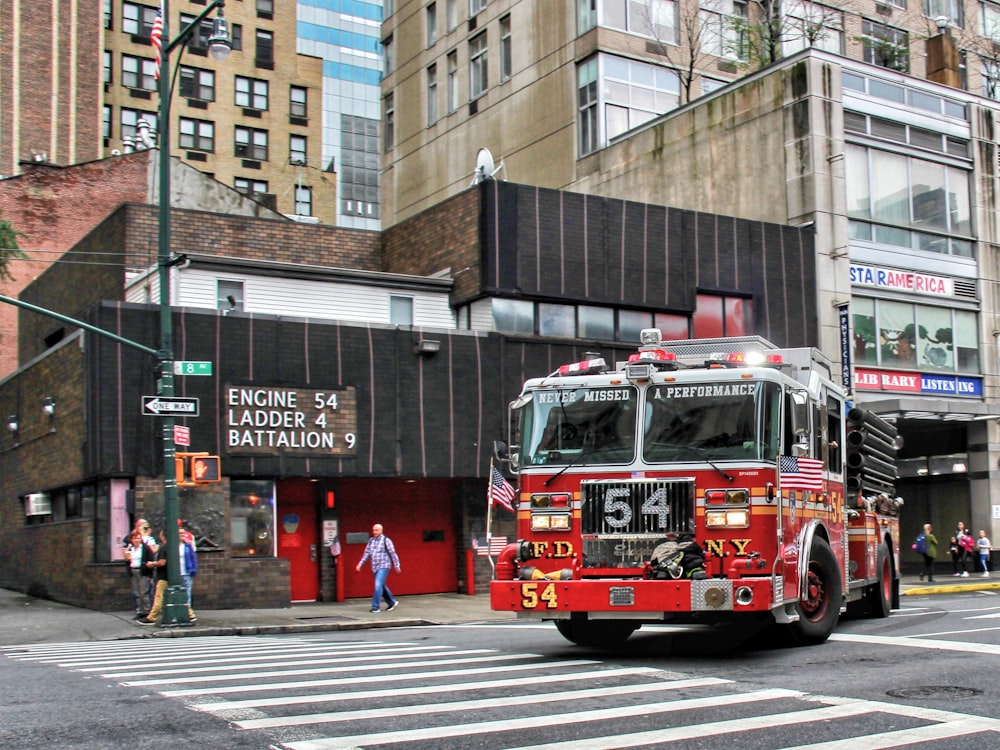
{"x": 914, "y": 679}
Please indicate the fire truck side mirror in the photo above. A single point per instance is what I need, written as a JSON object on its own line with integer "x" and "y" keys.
{"x": 500, "y": 450}
{"x": 799, "y": 404}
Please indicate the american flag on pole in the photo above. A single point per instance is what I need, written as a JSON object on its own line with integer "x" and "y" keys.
{"x": 156, "y": 39}
{"x": 797, "y": 473}
{"x": 501, "y": 492}
{"x": 495, "y": 547}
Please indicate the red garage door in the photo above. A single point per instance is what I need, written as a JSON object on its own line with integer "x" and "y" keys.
{"x": 417, "y": 516}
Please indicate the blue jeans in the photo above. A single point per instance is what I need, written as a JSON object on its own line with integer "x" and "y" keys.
{"x": 381, "y": 590}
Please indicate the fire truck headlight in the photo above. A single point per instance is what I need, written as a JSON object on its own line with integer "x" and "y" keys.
{"x": 550, "y": 522}
{"x": 726, "y": 518}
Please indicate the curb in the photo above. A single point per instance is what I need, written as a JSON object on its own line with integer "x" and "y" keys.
{"x": 188, "y": 631}
{"x": 950, "y": 588}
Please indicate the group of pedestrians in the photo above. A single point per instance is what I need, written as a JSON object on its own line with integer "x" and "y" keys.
{"x": 146, "y": 560}
{"x": 966, "y": 552}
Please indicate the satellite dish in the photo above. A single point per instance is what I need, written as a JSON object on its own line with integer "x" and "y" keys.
{"x": 485, "y": 166}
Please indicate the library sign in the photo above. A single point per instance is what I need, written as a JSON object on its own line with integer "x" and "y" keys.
{"x": 916, "y": 382}
{"x": 290, "y": 420}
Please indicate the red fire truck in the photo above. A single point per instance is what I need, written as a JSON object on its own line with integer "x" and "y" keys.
{"x": 704, "y": 481}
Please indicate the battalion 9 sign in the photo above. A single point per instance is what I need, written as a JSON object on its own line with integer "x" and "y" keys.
{"x": 290, "y": 420}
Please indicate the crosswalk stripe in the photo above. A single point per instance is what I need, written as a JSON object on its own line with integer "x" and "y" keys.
{"x": 523, "y": 682}
{"x": 900, "y": 737}
{"x": 198, "y": 656}
{"x": 372, "y": 679}
{"x": 470, "y": 705}
{"x": 534, "y": 722}
{"x": 315, "y": 660}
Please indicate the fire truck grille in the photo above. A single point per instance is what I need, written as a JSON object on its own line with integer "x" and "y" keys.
{"x": 623, "y": 521}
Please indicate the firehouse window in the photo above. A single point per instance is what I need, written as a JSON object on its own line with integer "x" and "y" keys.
{"x": 229, "y": 295}
{"x": 834, "y": 410}
{"x": 596, "y": 322}
{"x": 513, "y": 316}
{"x": 721, "y": 316}
{"x": 672, "y": 327}
{"x": 556, "y": 320}
{"x": 400, "y": 310}
{"x": 631, "y": 322}
{"x": 251, "y": 518}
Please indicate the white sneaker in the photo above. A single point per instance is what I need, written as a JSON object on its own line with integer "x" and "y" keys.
{"x": 985, "y": 575}
{"x": 394, "y": 605}
{"x": 965, "y": 574}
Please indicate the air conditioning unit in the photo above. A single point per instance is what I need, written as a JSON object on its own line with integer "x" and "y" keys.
{"x": 303, "y": 219}
{"x": 37, "y": 504}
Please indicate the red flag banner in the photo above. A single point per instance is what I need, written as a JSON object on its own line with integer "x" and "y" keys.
{"x": 156, "y": 39}
{"x": 797, "y": 473}
{"x": 501, "y": 492}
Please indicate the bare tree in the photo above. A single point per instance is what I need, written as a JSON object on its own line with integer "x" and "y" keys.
{"x": 770, "y": 26}
{"x": 684, "y": 51}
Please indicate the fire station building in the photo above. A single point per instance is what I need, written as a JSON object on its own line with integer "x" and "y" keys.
{"x": 353, "y": 377}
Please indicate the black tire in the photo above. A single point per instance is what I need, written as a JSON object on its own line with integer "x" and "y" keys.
{"x": 596, "y": 633}
{"x": 879, "y": 594}
{"x": 820, "y": 610}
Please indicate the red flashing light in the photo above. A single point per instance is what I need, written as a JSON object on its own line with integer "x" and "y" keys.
{"x": 655, "y": 355}
{"x": 715, "y": 497}
{"x": 579, "y": 368}
{"x": 330, "y": 499}
{"x": 754, "y": 358}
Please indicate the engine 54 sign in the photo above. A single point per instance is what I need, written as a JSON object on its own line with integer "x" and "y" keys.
{"x": 290, "y": 420}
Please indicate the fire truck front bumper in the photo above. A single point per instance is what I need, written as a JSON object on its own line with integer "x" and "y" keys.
{"x": 632, "y": 599}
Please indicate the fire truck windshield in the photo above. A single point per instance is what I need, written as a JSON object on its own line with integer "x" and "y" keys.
{"x": 733, "y": 420}
{"x": 582, "y": 426}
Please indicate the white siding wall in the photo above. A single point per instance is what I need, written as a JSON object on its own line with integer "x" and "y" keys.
{"x": 334, "y": 300}
{"x": 481, "y": 315}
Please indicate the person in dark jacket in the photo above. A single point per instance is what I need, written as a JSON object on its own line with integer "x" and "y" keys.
{"x": 137, "y": 553}
{"x": 929, "y": 553}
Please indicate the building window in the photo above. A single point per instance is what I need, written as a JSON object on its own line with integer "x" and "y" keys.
{"x": 451, "y": 14}
{"x": 586, "y": 15}
{"x": 635, "y": 92}
{"x": 904, "y": 201}
{"x": 513, "y": 316}
{"x": 432, "y": 95}
{"x": 359, "y": 166}
{"x": 723, "y": 28}
{"x": 250, "y": 187}
{"x": 656, "y": 19}
{"x": 432, "y": 32}
{"x": 587, "y": 106}
{"x": 388, "y": 8}
{"x": 265, "y": 9}
{"x": 475, "y": 6}
{"x": 251, "y": 518}
{"x": 303, "y": 200}
{"x": 807, "y": 24}
{"x": 717, "y": 316}
{"x": 913, "y": 336}
{"x": 229, "y": 295}
{"x": 106, "y": 130}
{"x": 556, "y": 320}
{"x": 107, "y": 66}
{"x": 138, "y": 73}
{"x": 264, "y": 55}
{"x": 108, "y": 14}
{"x": 251, "y": 93}
{"x": 991, "y": 21}
{"x": 991, "y": 79}
{"x": 400, "y": 310}
{"x": 298, "y": 101}
{"x": 479, "y": 79}
{"x": 197, "y": 44}
{"x": 197, "y": 84}
{"x": 389, "y": 114}
{"x": 885, "y": 46}
{"x": 197, "y": 135}
{"x": 137, "y": 20}
{"x": 953, "y": 10}
{"x": 130, "y": 121}
{"x": 297, "y": 150}
{"x": 388, "y": 55}
{"x": 452, "y": 81}
{"x": 506, "y": 61}
{"x": 251, "y": 143}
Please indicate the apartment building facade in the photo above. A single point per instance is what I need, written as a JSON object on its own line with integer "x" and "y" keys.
{"x": 77, "y": 79}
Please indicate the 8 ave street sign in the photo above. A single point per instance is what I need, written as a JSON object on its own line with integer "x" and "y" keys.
{"x": 162, "y": 406}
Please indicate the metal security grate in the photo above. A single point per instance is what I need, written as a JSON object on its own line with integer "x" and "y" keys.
{"x": 631, "y": 507}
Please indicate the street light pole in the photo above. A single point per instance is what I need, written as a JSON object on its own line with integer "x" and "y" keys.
{"x": 175, "y": 605}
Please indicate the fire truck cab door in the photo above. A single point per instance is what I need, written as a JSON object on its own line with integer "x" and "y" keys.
{"x": 797, "y": 442}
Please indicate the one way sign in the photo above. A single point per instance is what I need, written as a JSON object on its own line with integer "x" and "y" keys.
{"x": 163, "y": 406}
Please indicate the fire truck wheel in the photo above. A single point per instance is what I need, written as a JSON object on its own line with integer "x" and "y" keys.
{"x": 596, "y": 633}
{"x": 820, "y": 609}
{"x": 879, "y": 594}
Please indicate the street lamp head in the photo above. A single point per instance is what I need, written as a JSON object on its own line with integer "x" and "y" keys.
{"x": 220, "y": 44}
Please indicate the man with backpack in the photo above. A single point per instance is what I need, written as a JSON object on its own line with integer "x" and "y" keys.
{"x": 382, "y": 552}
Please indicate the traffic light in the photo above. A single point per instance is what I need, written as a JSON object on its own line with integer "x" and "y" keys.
{"x": 194, "y": 469}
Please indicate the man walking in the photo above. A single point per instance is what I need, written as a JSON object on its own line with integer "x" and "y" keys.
{"x": 382, "y": 552}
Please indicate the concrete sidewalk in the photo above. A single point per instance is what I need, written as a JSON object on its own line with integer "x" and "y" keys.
{"x": 26, "y": 620}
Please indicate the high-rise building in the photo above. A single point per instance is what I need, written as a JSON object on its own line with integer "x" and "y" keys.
{"x": 346, "y": 34}
{"x": 77, "y": 82}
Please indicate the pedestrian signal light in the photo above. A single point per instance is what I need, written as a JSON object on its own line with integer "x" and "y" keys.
{"x": 197, "y": 468}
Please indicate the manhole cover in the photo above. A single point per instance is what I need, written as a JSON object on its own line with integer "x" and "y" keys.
{"x": 935, "y": 691}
